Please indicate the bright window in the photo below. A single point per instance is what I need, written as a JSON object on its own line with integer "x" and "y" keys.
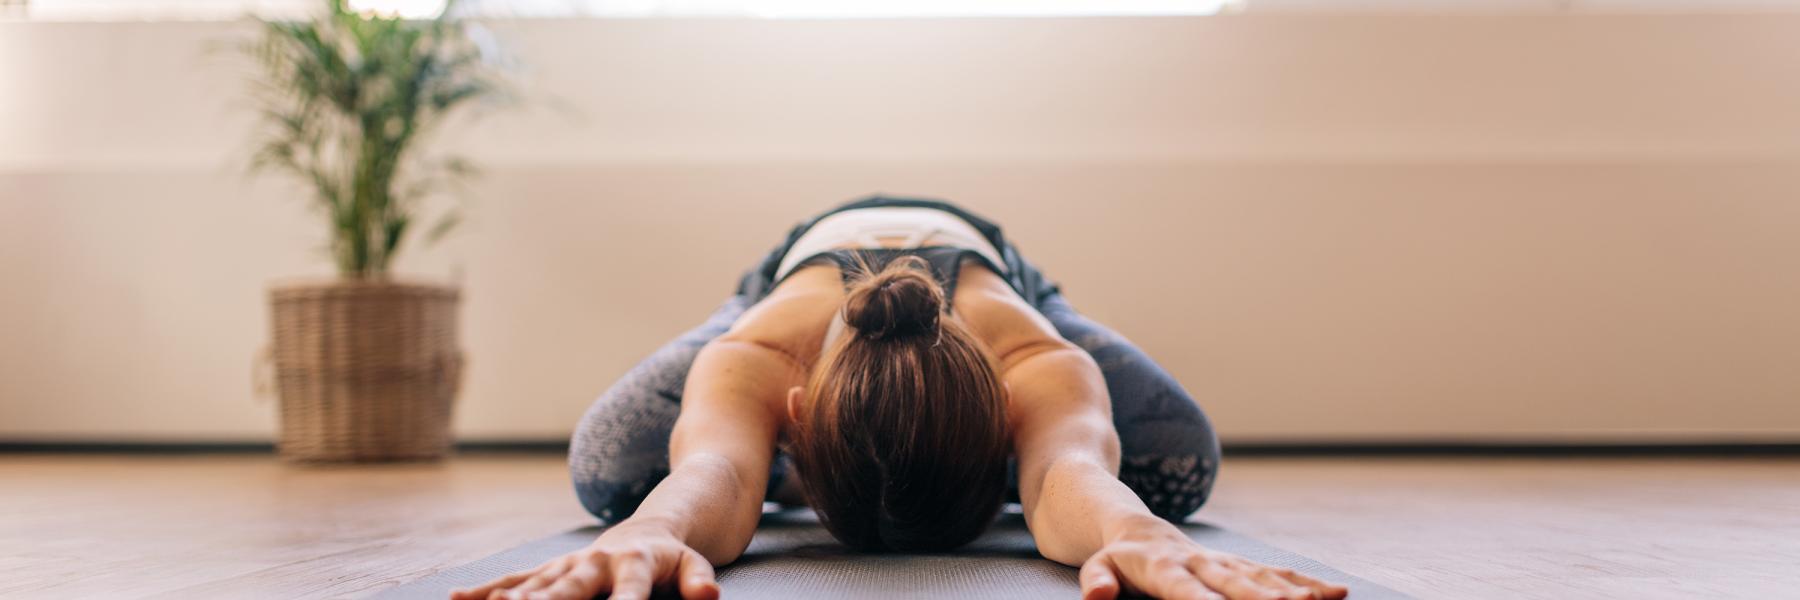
{"x": 157, "y": 10}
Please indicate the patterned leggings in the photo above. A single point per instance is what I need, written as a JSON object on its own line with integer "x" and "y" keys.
{"x": 1170, "y": 455}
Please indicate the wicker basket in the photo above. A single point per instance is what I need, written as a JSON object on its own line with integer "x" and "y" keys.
{"x": 366, "y": 370}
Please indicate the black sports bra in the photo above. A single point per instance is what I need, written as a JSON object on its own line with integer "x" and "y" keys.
{"x": 945, "y": 262}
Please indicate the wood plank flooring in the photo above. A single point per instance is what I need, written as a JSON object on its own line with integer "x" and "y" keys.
{"x": 250, "y": 527}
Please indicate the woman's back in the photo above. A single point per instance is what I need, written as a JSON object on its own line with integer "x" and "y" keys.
{"x": 800, "y": 314}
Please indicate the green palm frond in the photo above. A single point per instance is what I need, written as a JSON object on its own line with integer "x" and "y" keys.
{"x": 346, "y": 101}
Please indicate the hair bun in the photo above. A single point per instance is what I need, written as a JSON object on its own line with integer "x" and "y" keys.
{"x": 902, "y": 300}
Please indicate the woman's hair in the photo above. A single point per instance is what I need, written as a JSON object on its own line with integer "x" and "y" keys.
{"x": 902, "y": 441}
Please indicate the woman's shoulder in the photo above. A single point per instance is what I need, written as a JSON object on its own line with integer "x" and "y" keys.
{"x": 998, "y": 316}
{"x": 794, "y": 316}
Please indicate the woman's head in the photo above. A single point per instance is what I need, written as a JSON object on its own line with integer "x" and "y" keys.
{"x": 900, "y": 436}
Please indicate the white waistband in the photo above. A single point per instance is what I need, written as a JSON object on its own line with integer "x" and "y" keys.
{"x": 887, "y": 227}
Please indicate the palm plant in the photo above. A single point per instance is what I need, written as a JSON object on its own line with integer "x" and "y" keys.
{"x": 346, "y": 99}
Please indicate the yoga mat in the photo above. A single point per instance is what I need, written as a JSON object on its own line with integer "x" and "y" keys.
{"x": 792, "y": 558}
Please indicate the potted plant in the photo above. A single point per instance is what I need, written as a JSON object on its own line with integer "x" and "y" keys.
{"x": 366, "y": 366}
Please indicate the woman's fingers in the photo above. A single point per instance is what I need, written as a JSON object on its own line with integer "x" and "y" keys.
{"x": 1281, "y": 587}
{"x": 1325, "y": 591}
{"x": 632, "y": 576}
{"x": 1234, "y": 581}
{"x": 1172, "y": 580}
{"x": 1242, "y": 579}
{"x": 481, "y": 592}
{"x": 545, "y": 576}
{"x": 1099, "y": 578}
{"x": 585, "y": 580}
{"x": 695, "y": 577}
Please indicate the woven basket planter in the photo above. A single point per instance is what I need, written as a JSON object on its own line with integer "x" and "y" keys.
{"x": 366, "y": 370}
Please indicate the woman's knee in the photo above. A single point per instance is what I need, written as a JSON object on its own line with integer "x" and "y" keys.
{"x": 620, "y": 449}
{"x": 619, "y": 452}
{"x": 1171, "y": 465}
{"x": 611, "y": 484}
{"x": 612, "y": 501}
{"x": 1170, "y": 452}
{"x": 1172, "y": 485}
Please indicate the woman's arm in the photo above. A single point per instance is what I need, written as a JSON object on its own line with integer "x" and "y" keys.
{"x": 705, "y": 511}
{"x": 1081, "y": 514}
{"x": 727, "y": 431}
{"x": 1068, "y": 454}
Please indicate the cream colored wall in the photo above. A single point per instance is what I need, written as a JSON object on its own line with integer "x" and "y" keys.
{"x": 1344, "y": 227}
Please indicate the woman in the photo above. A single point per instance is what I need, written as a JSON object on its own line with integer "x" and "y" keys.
{"x": 895, "y": 365}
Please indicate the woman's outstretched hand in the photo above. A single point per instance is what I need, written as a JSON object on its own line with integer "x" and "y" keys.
{"x": 1166, "y": 564}
{"x": 626, "y": 561}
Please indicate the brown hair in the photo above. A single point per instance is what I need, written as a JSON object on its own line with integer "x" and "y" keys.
{"x": 902, "y": 441}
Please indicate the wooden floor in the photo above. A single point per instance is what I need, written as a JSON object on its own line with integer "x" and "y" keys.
{"x": 249, "y": 527}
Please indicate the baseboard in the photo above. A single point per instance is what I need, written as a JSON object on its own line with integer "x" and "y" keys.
{"x": 1345, "y": 449}
{"x": 132, "y": 447}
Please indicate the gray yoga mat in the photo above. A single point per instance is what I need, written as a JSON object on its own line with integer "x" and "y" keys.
{"x": 792, "y": 557}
